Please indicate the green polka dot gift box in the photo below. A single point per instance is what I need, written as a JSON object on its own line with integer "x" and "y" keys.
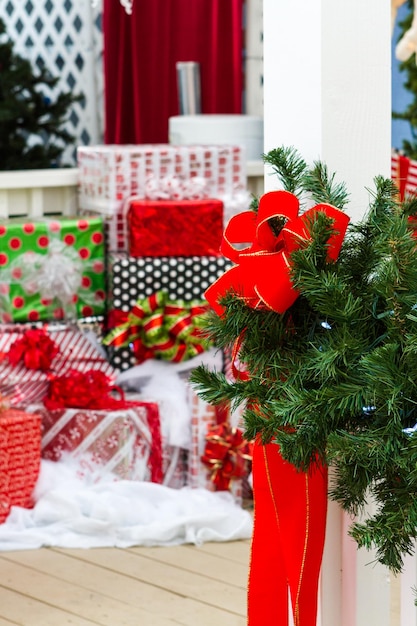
{"x": 51, "y": 269}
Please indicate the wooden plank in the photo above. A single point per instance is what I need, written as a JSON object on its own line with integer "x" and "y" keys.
{"x": 74, "y": 599}
{"x": 187, "y": 584}
{"x": 124, "y": 588}
{"x": 194, "y": 560}
{"x": 25, "y": 611}
{"x": 237, "y": 551}
{"x": 4, "y": 622}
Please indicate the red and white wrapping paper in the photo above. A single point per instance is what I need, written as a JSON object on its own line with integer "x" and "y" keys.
{"x": 120, "y": 442}
{"x": 404, "y": 174}
{"x": 24, "y": 386}
{"x": 204, "y": 415}
{"x": 111, "y": 175}
{"x": 20, "y": 456}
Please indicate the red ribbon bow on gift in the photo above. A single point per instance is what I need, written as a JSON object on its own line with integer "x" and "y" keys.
{"x": 157, "y": 327}
{"x": 35, "y": 349}
{"x": 83, "y": 390}
{"x": 226, "y": 454}
{"x": 262, "y": 274}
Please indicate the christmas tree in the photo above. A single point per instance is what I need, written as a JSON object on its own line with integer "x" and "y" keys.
{"x": 332, "y": 378}
{"x": 32, "y": 132}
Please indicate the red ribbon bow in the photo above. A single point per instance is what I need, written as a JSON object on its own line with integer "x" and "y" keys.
{"x": 226, "y": 454}
{"x": 262, "y": 274}
{"x": 35, "y": 349}
{"x": 83, "y": 390}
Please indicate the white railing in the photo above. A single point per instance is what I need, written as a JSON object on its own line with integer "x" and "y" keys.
{"x": 38, "y": 192}
{"x": 50, "y": 192}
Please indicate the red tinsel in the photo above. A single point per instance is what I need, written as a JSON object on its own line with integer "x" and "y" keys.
{"x": 226, "y": 454}
{"x": 36, "y": 350}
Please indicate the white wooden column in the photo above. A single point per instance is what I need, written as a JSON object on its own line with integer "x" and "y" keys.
{"x": 327, "y": 87}
{"x": 327, "y": 92}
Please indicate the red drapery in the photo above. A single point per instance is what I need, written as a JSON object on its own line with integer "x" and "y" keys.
{"x": 140, "y": 53}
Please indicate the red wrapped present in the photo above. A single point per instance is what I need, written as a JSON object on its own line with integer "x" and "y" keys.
{"x": 111, "y": 175}
{"x": 175, "y": 228}
{"x": 20, "y": 455}
{"x": 31, "y": 356}
{"x": 123, "y": 442}
{"x": 104, "y": 433}
{"x": 219, "y": 457}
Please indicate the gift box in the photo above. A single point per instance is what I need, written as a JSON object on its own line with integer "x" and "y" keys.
{"x": 20, "y": 455}
{"x": 182, "y": 278}
{"x": 123, "y": 443}
{"x": 207, "y": 466}
{"x": 23, "y": 385}
{"x": 175, "y": 228}
{"x": 110, "y": 175}
{"x": 51, "y": 269}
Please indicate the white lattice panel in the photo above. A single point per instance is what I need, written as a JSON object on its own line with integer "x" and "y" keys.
{"x": 66, "y": 38}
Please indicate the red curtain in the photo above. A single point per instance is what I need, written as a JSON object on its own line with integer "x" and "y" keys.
{"x": 140, "y": 53}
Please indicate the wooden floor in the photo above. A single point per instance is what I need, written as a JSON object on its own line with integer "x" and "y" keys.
{"x": 189, "y": 585}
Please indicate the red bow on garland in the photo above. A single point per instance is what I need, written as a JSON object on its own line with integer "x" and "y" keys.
{"x": 262, "y": 274}
{"x": 226, "y": 454}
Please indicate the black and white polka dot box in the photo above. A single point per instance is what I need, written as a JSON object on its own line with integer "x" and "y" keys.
{"x": 183, "y": 278}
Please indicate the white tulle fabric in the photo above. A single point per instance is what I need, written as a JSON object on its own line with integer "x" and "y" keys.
{"x": 72, "y": 513}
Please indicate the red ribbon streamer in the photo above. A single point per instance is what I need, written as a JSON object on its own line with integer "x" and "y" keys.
{"x": 262, "y": 274}
{"x": 226, "y": 454}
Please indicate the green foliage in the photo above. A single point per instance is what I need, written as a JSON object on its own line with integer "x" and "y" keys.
{"x": 334, "y": 377}
{"x": 32, "y": 134}
{"x": 409, "y": 67}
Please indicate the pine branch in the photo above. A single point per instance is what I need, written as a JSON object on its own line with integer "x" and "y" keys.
{"x": 323, "y": 188}
{"x": 288, "y": 165}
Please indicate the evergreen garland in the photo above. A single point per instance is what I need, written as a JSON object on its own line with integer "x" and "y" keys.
{"x": 335, "y": 377}
{"x": 409, "y": 67}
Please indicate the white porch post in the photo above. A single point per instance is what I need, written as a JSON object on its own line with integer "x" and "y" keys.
{"x": 327, "y": 86}
{"x": 327, "y": 92}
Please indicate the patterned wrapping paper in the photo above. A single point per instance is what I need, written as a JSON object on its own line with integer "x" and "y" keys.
{"x": 118, "y": 442}
{"x": 175, "y": 228}
{"x": 23, "y": 386}
{"x": 183, "y": 278}
{"x": 51, "y": 269}
{"x": 111, "y": 175}
{"x": 204, "y": 415}
{"x": 20, "y": 456}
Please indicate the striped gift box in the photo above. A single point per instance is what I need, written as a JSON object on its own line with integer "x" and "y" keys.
{"x": 24, "y": 386}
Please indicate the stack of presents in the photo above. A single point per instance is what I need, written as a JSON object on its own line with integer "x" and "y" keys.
{"x": 101, "y": 313}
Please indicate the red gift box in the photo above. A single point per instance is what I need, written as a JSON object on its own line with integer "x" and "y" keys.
{"x": 20, "y": 455}
{"x": 125, "y": 442}
{"x": 24, "y": 386}
{"x": 175, "y": 228}
{"x": 204, "y": 416}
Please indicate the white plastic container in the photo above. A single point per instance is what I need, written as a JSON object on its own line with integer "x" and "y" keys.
{"x": 243, "y": 130}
